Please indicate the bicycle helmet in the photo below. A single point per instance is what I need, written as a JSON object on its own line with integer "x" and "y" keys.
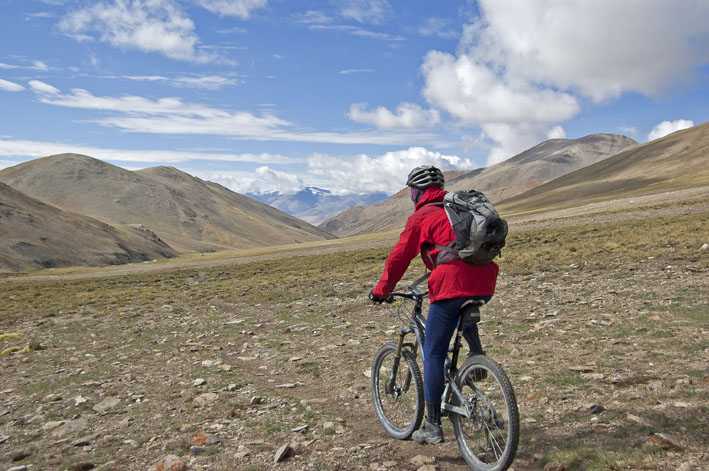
{"x": 424, "y": 176}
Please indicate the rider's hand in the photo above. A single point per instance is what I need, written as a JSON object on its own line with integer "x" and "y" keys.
{"x": 376, "y": 299}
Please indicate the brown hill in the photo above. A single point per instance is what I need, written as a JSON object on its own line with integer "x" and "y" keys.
{"x": 36, "y": 235}
{"x": 540, "y": 164}
{"x": 677, "y": 161}
{"x": 186, "y": 212}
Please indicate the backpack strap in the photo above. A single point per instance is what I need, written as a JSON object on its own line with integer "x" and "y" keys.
{"x": 447, "y": 248}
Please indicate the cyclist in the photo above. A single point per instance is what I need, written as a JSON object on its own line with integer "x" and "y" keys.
{"x": 450, "y": 285}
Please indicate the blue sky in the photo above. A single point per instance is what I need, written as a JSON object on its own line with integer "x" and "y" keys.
{"x": 346, "y": 95}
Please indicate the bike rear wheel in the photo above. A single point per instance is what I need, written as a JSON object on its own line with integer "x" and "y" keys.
{"x": 488, "y": 439}
{"x": 397, "y": 391}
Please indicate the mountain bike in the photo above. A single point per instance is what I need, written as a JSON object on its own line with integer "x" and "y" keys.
{"x": 478, "y": 396}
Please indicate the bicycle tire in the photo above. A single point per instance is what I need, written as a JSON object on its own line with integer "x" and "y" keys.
{"x": 488, "y": 440}
{"x": 400, "y": 411}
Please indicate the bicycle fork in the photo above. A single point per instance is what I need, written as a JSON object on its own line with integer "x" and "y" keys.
{"x": 391, "y": 384}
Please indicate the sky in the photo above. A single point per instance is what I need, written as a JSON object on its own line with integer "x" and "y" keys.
{"x": 345, "y": 95}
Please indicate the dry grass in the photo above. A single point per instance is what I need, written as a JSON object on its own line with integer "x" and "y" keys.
{"x": 627, "y": 299}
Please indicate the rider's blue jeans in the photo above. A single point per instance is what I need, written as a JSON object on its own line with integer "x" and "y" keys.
{"x": 442, "y": 321}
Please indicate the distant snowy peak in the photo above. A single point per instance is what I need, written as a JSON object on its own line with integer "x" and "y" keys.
{"x": 313, "y": 204}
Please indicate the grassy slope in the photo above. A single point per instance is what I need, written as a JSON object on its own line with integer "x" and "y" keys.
{"x": 626, "y": 299}
{"x": 675, "y": 162}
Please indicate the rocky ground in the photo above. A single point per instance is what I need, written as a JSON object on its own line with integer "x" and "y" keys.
{"x": 190, "y": 369}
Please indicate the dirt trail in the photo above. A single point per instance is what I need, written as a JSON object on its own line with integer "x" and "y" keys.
{"x": 188, "y": 370}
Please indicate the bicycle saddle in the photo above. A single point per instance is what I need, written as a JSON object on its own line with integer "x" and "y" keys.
{"x": 470, "y": 311}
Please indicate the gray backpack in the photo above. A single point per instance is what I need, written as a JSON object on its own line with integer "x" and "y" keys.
{"x": 479, "y": 231}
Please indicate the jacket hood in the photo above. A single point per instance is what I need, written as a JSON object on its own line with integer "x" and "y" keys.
{"x": 434, "y": 194}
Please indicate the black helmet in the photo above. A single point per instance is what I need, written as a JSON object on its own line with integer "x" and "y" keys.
{"x": 424, "y": 176}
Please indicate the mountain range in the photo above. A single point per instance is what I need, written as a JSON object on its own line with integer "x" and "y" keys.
{"x": 38, "y": 235}
{"x": 69, "y": 209}
{"x": 184, "y": 212}
{"x": 529, "y": 169}
{"x": 315, "y": 205}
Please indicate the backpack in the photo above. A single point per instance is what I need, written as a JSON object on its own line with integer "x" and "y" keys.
{"x": 479, "y": 231}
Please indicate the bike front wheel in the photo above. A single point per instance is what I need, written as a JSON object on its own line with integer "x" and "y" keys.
{"x": 397, "y": 391}
{"x": 488, "y": 439}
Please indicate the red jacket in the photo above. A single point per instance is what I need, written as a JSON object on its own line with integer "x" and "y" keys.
{"x": 429, "y": 225}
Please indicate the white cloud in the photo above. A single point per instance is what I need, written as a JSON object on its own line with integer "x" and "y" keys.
{"x": 668, "y": 127}
{"x": 407, "y": 116}
{"x": 600, "y": 48}
{"x": 207, "y": 82}
{"x": 172, "y": 115}
{"x": 521, "y": 67}
{"x": 34, "y": 149}
{"x": 440, "y": 27}
{"x": 39, "y": 65}
{"x": 509, "y": 139}
{"x": 475, "y": 93}
{"x": 557, "y": 132}
{"x": 366, "y": 11}
{"x": 237, "y": 8}
{"x": 356, "y": 31}
{"x": 10, "y": 86}
{"x": 631, "y": 131}
{"x": 43, "y": 88}
{"x": 341, "y": 175}
{"x": 146, "y": 25}
{"x": 355, "y": 71}
{"x": 387, "y": 172}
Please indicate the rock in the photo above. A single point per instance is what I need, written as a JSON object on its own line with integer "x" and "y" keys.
{"x": 169, "y": 463}
{"x": 283, "y": 453}
{"x": 554, "y": 466}
{"x": 704, "y": 247}
{"x": 21, "y": 455}
{"x": 78, "y": 400}
{"x": 328, "y": 428}
{"x": 202, "y": 438}
{"x": 82, "y": 467}
{"x": 19, "y": 468}
{"x": 639, "y": 420}
{"x": 596, "y": 409}
{"x": 428, "y": 467}
{"x": 70, "y": 428}
{"x": 420, "y": 460}
{"x": 52, "y": 425}
{"x": 287, "y": 386}
{"x": 199, "y": 382}
{"x": 197, "y": 450}
{"x": 204, "y": 399}
{"x": 82, "y": 442}
{"x": 665, "y": 442}
{"x": 593, "y": 376}
{"x": 106, "y": 404}
{"x": 256, "y": 400}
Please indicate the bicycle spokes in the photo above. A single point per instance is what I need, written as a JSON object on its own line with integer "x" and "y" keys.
{"x": 488, "y": 435}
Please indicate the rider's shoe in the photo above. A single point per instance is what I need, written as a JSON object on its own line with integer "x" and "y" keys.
{"x": 429, "y": 433}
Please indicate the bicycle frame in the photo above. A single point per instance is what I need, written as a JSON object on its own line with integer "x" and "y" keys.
{"x": 417, "y": 326}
